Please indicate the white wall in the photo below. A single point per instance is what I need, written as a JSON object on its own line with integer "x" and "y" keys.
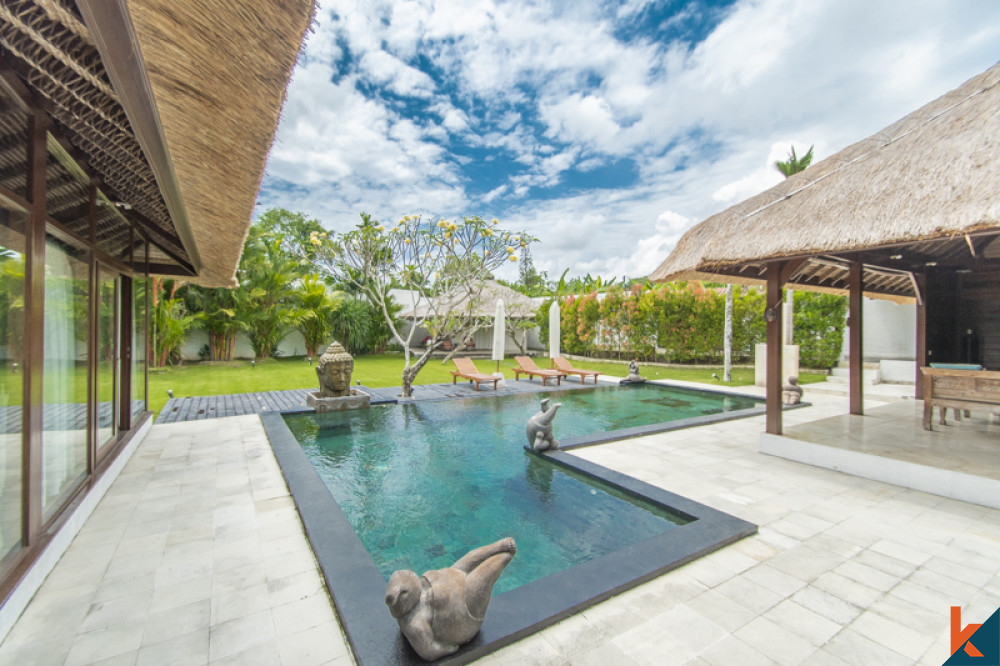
{"x": 890, "y": 332}
{"x": 483, "y": 338}
{"x": 291, "y": 345}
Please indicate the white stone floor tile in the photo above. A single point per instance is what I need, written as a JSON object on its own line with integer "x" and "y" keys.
{"x": 196, "y": 555}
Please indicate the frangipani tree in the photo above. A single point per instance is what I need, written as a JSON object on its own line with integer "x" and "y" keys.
{"x": 443, "y": 263}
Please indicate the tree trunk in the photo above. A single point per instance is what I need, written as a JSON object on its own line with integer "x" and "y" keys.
{"x": 410, "y": 371}
{"x": 727, "y": 338}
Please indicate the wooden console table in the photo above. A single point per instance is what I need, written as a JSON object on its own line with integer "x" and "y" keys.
{"x": 959, "y": 389}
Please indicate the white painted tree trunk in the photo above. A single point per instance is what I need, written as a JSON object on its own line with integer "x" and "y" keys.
{"x": 727, "y": 338}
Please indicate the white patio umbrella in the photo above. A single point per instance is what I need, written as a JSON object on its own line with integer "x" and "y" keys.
{"x": 554, "y": 329}
{"x": 499, "y": 334}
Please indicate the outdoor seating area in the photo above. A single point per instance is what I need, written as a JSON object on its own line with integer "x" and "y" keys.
{"x": 959, "y": 389}
{"x": 466, "y": 369}
{"x": 562, "y": 364}
{"x": 526, "y": 366}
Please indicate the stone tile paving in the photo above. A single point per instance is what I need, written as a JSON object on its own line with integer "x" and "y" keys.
{"x": 843, "y": 570}
{"x": 196, "y": 556}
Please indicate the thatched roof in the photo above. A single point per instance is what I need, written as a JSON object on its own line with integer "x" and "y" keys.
{"x": 925, "y": 187}
{"x": 516, "y": 305}
{"x": 171, "y": 105}
{"x": 218, "y": 72}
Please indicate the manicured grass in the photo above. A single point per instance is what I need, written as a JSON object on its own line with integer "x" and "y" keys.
{"x": 378, "y": 371}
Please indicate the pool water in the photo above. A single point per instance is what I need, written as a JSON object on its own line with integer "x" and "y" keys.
{"x": 424, "y": 483}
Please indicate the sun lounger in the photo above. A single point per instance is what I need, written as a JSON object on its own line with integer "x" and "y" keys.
{"x": 563, "y": 365}
{"x": 468, "y": 370}
{"x": 528, "y": 367}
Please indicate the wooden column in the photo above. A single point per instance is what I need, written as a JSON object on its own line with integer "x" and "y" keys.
{"x": 93, "y": 326}
{"x": 772, "y": 318}
{"x": 125, "y": 357}
{"x": 34, "y": 348}
{"x": 921, "y": 283}
{"x": 856, "y": 301}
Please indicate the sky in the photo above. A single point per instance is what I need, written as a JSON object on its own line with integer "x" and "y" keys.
{"x": 604, "y": 129}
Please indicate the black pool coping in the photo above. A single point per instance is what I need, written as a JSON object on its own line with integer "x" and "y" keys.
{"x": 570, "y": 443}
{"x": 358, "y": 588}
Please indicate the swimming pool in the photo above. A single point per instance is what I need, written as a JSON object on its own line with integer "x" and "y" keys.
{"x": 416, "y": 486}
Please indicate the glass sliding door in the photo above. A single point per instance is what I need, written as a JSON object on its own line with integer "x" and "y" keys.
{"x": 64, "y": 410}
{"x": 138, "y": 400}
{"x": 107, "y": 355}
{"x": 12, "y": 224}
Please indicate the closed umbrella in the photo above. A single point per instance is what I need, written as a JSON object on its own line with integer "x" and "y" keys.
{"x": 554, "y": 329}
{"x": 499, "y": 334}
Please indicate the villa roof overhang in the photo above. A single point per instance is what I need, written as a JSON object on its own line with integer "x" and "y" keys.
{"x": 921, "y": 193}
{"x": 169, "y": 106}
{"x": 482, "y": 304}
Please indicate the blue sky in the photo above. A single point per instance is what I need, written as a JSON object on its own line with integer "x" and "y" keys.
{"x": 605, "y": 129}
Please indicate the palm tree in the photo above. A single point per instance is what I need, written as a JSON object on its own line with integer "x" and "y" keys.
{"x": 218, "y": 318}
{"x": 794, "y": 164}
{"x": 316, "y": 305}
{"x": 263, "y": 300}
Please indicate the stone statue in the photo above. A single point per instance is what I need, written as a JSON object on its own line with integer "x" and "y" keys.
{"x": 633, "y": 373}
{"x": 539, "y": 428}
{"x": 791, "y": 393}
{"x": 334, "y": 372}
{"x": 444, "y": 609}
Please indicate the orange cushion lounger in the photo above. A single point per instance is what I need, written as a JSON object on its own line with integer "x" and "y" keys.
{"x": 528, "y": 367}
{"x": 565, "y": 366}
{"x": 468, "y": 370}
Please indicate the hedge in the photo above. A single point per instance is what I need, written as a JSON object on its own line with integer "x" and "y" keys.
{"x": 682, "y": 322}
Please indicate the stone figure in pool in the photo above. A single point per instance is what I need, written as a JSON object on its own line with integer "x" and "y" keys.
{"x": 444, "y": 609}
{"x": 633, "y": 373}
{"x": 539, "y": 428}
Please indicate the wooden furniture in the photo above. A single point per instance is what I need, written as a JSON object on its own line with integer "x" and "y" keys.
{"x": 560, "y": 363}
{"x": 526, "y": 366}
{"x": 468, "y": 370}
{"x": 959, "y": 389}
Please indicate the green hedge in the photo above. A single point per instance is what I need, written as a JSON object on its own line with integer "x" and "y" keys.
{"x": 685, "y": 322}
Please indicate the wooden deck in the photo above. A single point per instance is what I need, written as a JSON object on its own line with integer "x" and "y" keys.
{"x": 240, "y": 404}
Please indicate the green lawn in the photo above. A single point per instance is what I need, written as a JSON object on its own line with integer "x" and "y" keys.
{"x": 377, "y": 371}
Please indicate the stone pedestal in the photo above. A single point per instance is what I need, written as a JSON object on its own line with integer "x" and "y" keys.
{"x": 789, "y": 363}
{"x": 357, "y": 400}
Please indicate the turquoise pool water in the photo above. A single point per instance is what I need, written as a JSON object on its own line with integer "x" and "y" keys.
{"x": 424, "y": 483}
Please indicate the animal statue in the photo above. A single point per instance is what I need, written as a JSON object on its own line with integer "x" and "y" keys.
{"x": 444, "y": 609}
{"x": 539, "y": 428}
{"x": 791, "y": 393}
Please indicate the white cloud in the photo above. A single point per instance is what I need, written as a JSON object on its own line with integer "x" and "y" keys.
{"x": 585, "y": 119}
{"x": 396, "y": 75}
{"x": 554, "y": 88}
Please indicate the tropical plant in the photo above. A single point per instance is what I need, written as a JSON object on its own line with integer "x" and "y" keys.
{"x": 819, "y": 328}
{"x": 12, "y": 303}
{"x": 316, "y": 305}
{"x": 171, "y": 322}
{"x": 443, "y": 264}
{"x": 264, "y": 301}
{"x": 794, "y": 164}
{"x": 217, "y": 308}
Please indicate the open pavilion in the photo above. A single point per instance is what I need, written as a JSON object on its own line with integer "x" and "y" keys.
{"x": 908, "y": 214}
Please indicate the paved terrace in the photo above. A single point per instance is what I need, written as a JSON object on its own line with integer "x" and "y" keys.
{"x": 196, "y": 555}
{"x": 241, "y": 404}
